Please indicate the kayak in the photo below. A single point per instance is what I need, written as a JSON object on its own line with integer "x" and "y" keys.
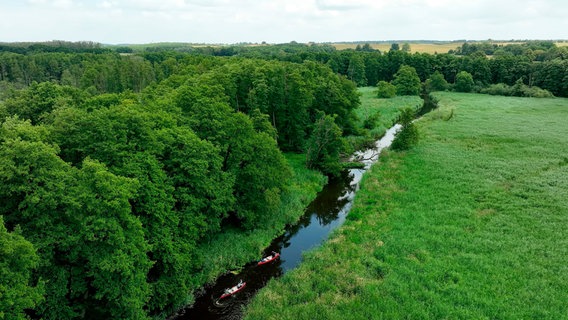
{"x": 270, "y": 258}
{"x": 231, "y": 291}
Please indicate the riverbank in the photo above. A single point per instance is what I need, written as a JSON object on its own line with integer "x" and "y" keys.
{"x": 233, "y": 249}
{"x": 468, "y": 224}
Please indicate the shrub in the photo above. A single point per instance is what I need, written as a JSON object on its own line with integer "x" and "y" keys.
{"x": 436, "y": 82}
{"x": 408, "y": 134}
{"x": 385, "y": 90}
{"x": 464, "y": 82}
{"x": 519, "y": 90}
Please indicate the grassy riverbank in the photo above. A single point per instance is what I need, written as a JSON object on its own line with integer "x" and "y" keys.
{"x": 470, "y": 224}
{"x": 384, "y": 111}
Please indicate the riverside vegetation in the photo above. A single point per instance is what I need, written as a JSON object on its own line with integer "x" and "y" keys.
{"x": 468, "y": 224}
{"x": 129, "y": 178}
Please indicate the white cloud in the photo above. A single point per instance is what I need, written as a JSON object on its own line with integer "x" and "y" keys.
{"x": 226, "y": 21}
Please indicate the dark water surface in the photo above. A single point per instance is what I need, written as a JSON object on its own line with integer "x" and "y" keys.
{"x": 323, "y": 215}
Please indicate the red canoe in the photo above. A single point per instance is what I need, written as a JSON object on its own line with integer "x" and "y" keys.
{"x": 270, "y": 258}
{"x": 231, "y": 291}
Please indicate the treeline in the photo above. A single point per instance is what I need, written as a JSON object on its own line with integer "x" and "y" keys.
{"x": 105, "y": 198}
{"x": 54, "y": 46}
{"x": 535, "y": 63}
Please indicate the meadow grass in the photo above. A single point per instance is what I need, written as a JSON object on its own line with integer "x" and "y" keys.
{"x": 386, "y": 111}
{"x": 469, "y": 224}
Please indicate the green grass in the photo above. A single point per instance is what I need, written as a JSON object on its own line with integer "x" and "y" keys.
{"x": 381, "y": 113}
{"x": 387, "y": 109}
{"x": 470, "y": 224}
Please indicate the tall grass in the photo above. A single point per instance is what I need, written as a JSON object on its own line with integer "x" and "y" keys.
{"x": 470, "y": 224}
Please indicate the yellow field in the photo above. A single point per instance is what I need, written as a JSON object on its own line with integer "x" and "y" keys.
{"x": 414, "y": 47}
{"x": 422, "y": 47}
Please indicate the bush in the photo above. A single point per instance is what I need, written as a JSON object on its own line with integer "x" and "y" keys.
{"x": 464, "y": 82}
{"x": 436, "y": 82}
{"x": 385, "y": 90}
{"x": 519, "y": 90}
{"x": 408, "y": 134}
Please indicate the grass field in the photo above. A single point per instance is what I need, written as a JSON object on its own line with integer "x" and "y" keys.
{"x": 385, "y": 111}
{"x": 470, "y": 224}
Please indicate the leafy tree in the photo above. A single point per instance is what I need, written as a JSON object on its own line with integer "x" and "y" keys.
{"x": 406, "y": 81}
{"x": 356, "y": 70}
{"x": 436, "y": 82}
{"x": 408, "y": 134}
{"x": 406, "y": 47}
{"x": 385, "y": 90}
{"x": 18, "y": 259}
{"x": 324, "y": 146}
{"x": 464, "y": 82}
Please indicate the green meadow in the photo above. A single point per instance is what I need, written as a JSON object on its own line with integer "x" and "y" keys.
{"x": 469, "y": 224}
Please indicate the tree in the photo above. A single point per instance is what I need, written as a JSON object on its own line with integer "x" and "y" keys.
{"x": 385, "y": 90}
{"x": 18, "y": 259}
{"x": 324, "y": 146}
{"x": 436, "y": 82}
{"x": 356, "y": 70}
{"x": 464, "y": 82}
{"x": 406, "y": 47}
{"x": 408, "y": 134}
{"x": 406, "y": 81}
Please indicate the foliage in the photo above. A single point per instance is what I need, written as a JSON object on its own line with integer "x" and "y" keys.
{"x": 18, "y": 259}
{"x": 436, "y": 82}
{"x": 407, "y": 136}
{"x": 325, "y": 146}
{"x": 406, "y": 81}
{"x": 385, "y": 89}
{"x": 119, "y": 192}
{"x": 466, "y": 225}
{"x": 464, "y": 82}
{"x": 519, "y": 90}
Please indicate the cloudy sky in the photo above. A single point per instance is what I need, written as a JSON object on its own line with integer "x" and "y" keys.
{"x": 279, "y": 21}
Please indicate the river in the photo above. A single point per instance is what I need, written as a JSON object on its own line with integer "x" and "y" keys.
{"x": 327, "y": 212}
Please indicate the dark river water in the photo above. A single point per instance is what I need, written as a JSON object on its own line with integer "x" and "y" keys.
{"x": 327, "y": 212}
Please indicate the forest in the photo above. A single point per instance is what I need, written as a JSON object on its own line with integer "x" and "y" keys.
{"x": 117, "y": 164}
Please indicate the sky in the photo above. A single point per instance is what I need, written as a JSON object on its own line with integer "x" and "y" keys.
{"x": 280, "y": 21}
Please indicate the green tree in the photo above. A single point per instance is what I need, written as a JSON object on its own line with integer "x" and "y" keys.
{"x": 18, "y": 259}
{"x": 436, "y": 82}
{"x": 356, "y": 70}
{"x": 324, "y": 146}
{"x": 407, "y": 136}
{"x": 385, "y": 90}
{"x": 464, "y": 82}
{"x": 406, "y": 81}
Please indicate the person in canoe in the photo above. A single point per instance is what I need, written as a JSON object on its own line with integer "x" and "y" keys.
{"x": 233, "y": 290}
{"x": 269, "y": 258}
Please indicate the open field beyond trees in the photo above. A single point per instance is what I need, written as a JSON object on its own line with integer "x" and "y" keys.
{"x": 431, "y": 48}
{"x": 470, "y": 224}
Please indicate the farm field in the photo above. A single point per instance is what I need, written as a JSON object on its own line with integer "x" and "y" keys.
{"x": 431, "y": 48}
{"x": 414, "y": 47}
{"x": 470, "y": 224}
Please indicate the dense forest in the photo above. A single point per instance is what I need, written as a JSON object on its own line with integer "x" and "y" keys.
{"x": 116, "y": 164}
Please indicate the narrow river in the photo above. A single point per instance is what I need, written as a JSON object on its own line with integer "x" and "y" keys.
{"x": 327, "y": 212}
